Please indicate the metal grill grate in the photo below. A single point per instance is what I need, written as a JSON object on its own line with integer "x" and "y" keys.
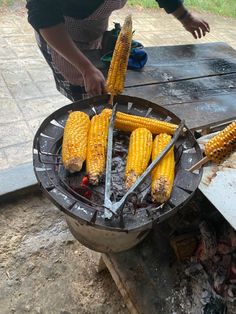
{"x": 85, "y": 203}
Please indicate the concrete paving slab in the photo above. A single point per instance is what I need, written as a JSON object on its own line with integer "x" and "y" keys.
{"x": 2, "y": 83}
{"x": 6, "y": 53}
{"x": 9, "y": 105}
{"x": 16, "y": 153}
{"x": 24, "y": 90}
{"x": 41, "y": 107}
{"x": 14, "y": 133}
{"x": 38, "y": 74}
{"x": 34, "y": 124}
{"x": 20, "y": 40}
{"x": 47, "y": 88}
{"x": 15, "y": 76}
{"x": 3, "y": 160}
{"x": 24, "y": 51}
{"x": 4, "y": 92}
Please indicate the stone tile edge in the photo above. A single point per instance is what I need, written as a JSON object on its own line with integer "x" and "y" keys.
{"x": 17, "y": 182}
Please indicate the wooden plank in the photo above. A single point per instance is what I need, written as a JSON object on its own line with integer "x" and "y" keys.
{"x": 122, "y": 287}
{"x": 201, "y": 102}
{"x": 144, "y": 276}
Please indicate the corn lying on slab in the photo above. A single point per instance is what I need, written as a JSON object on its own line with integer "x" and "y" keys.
{"x": 97, "y": 148}
{"x": 221, "y": 145}
{"x": 74, "y": 145}
{"x": 118, "y": 66}
{"x": 163, "y": 173}
{"x": 128, "y": 123}
{"x": 139, "y": 153}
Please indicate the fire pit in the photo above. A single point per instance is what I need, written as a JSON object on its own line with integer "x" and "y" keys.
{"x": 83, "y": 204}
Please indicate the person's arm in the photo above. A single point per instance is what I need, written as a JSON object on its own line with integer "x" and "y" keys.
{"x": 196, "y": 26}
{"x": 58, "y": 38}
{"x": 46, "y": 17}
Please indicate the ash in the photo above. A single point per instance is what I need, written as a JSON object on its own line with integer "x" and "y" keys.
{"x": 206, "y": 279}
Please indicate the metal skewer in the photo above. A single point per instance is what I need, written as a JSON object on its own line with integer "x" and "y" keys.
{"x": 107, "y": 200}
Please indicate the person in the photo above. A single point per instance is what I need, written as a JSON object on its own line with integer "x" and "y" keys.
{"x": 66, "y": 30}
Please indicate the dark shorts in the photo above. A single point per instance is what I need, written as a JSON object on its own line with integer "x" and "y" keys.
{"x": 72, "y": 92}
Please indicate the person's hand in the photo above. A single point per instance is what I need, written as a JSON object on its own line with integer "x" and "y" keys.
{"x": 94, "y": 81}
{"x": 196, "y": 26}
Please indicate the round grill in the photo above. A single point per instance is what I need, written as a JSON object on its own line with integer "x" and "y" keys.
{"x": 83, "y": 205}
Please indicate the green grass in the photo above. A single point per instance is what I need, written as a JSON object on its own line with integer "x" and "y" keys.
{"x": 10, "y": 3}
{"x": 143, "y": 3}
{"x": 221, "y": 7}
{"x": 6, "y": 2}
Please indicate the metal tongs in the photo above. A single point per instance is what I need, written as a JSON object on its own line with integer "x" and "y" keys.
{"x": 114, "y": 208}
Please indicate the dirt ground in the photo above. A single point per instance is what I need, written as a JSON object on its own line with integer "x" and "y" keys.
{"x": 43, "y": 269}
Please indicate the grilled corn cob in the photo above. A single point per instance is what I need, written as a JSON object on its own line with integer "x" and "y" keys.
{"x": 128, "y": 123}
{"x": 163, "y": 173}
{"x": 97, "y": 147}
{"x": 74, "y": 146}
{"x": 118, "y": 66}
{"x": 139, "y": 153}
{"x": 221, "y": 145}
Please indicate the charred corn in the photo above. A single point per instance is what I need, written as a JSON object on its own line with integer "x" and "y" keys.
{"x": 128, "y": 123}
{"x": 97, "y": 147}
{"x": 139, "y": 153}
{"x": 74, "y": 145}
{"x": 163, "y": 173}
{"x": 118, "y": 66}
{"x": 221, "y": 145}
